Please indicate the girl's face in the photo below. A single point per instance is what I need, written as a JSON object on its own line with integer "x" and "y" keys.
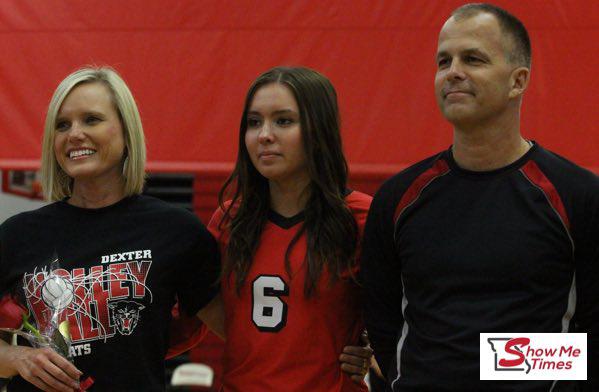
{"x": 273, "y": 138}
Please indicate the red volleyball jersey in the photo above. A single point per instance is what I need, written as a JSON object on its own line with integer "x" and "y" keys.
{"x": 278, "y": 340}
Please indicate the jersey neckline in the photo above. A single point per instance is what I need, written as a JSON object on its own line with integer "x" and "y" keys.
{"x": 119, "y": 204}
{"x": 285, "y": 222}
{"x": 455, "y": 168}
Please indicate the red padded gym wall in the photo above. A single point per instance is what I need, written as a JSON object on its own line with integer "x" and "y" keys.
{"x": 190, "y": 62}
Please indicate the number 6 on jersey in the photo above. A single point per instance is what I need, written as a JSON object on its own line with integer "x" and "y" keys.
{"x": 269, "y": 312}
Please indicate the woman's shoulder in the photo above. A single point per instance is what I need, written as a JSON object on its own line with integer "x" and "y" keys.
{"x": 152, "y": 204}
{"x": 36, "y": 216}
{"x": 227, "y": 209}
{"x": 215, "y": 225}
{"x": 358, "y": 202}
{"x": 158, "y": 216}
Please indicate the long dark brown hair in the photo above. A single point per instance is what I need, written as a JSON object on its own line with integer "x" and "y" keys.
{"x": 331, "y": 230}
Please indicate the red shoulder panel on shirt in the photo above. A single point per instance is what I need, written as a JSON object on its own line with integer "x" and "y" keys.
{"x": 532, "y": 171}
{"x": 439, "y": 168}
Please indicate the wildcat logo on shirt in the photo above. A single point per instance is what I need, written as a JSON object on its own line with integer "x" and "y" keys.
{"x": 125, "y": 315}
{"x": 99, "y": 302}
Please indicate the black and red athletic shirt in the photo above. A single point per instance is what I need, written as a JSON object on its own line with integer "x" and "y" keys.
{"x": 449, "y": 253}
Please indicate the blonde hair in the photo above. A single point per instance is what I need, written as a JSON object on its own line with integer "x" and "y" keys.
{"x": 55, "y": 182}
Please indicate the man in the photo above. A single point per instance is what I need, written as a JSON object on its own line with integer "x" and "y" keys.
{"x": 495, "y": 234}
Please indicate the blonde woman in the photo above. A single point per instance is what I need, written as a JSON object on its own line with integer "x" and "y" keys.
{"x": 125, "y": 257}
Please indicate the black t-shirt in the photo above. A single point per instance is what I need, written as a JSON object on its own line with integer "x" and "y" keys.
{"x": 449, "y": 253}
{"x": 125, "y": 264}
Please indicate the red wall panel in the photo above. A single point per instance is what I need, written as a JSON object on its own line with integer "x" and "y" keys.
{"x": 189, "y": 64}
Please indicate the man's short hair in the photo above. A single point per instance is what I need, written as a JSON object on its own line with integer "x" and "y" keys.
{"x": 521, "y": 52}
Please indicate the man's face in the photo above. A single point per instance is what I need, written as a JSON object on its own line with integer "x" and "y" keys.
{"x": 473, "y": 79}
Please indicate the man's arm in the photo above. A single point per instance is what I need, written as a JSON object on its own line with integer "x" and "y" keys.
{"x": 380, "y": 274}
{"x": 587, "y": 283}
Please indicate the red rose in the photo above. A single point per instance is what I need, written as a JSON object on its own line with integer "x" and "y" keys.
{"x": 11, "y": 312}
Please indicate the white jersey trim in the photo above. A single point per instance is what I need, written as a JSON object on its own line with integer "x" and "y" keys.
{"x": 404, "y": 332}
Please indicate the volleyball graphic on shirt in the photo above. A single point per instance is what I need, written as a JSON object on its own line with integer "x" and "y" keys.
{"x": 57, "y": 292}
